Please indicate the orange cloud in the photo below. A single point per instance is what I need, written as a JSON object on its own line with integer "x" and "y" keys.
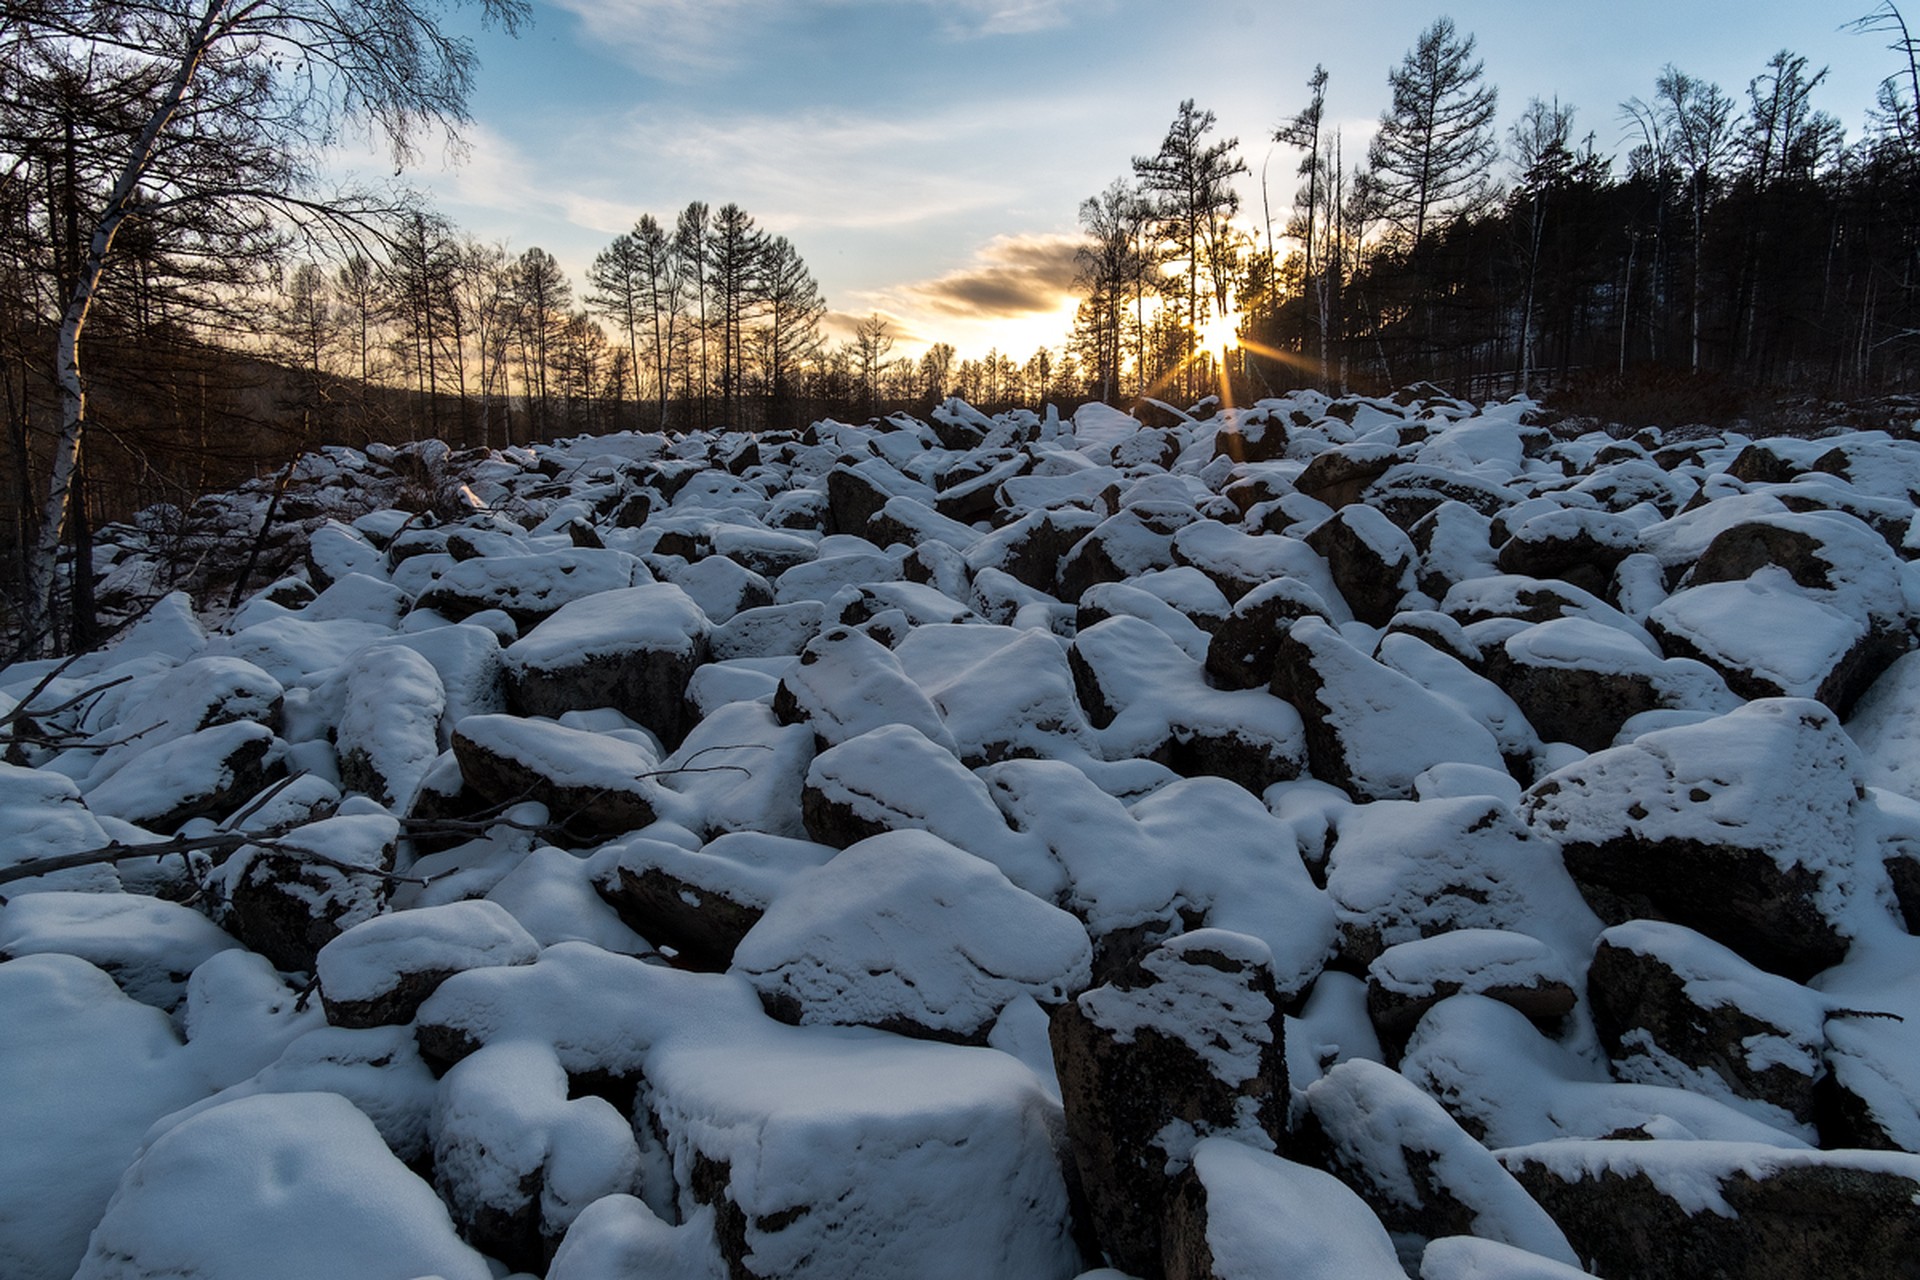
{"x": 1011, "y": 276}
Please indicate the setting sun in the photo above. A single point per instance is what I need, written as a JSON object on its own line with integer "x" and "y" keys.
{"x": 1221, "y": 332}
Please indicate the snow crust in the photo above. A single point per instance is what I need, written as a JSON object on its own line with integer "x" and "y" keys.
{"x": 293, "y": 1185}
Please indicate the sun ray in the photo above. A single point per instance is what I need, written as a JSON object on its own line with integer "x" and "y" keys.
{"x": 1292, "y": 359}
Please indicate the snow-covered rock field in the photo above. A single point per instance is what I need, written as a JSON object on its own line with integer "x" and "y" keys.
{"x": 1332, "y": 838}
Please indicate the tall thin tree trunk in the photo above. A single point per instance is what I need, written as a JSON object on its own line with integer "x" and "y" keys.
{"x": 73, "y": 321}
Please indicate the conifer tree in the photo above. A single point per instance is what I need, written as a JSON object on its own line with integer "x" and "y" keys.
{"x": 1436, "y": 142}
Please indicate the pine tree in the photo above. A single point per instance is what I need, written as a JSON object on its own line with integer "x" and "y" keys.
{"x": 616, "y": 289}
{"x": 1187, "y": 179}
{"x": 790, "y": 335}
{"x": 1435, "y": 144}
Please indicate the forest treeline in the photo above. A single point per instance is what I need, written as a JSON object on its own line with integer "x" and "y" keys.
{"x": 162, "y": 194}
{"x": 1744, "y": 238}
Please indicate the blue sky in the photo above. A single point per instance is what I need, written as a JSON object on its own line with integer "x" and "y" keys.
{"x": 927, "y": 156}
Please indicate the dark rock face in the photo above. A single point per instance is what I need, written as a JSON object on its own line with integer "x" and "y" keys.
{"x": 1837, "y": 1215}
{"x": 392, "y": 1007}
{"x": 1583, "y": 705}
{"x": 1582, "y": 552}
{"x": 633, "y": 651}
{"x": 1903, "y": 870}
{"x": 1739, "y": 552}
{"x": 1184, "y": 1251}
{"x": 1406, "y": 980}
{"x": 1761, "y": 463}
{"x": 1370, "y": 559}
{"x": 703, "y": 923}
{"x": 1338, "y": 476}
{"x": 1036, "y": 544}
{"x": 1643, "y": 1003}
{"x": 287, "y": 908}
{"x": 855, "y": 494}
{"x": 1186, "y": 1042}
{"x": 1242, "y": 651}
{"x": 1252, "y": 441}
{"x": 502, "y": 758}
{"x": 1740, "y": 897}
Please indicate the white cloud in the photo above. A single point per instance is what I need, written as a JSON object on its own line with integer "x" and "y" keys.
{"x": 681, "y": 39}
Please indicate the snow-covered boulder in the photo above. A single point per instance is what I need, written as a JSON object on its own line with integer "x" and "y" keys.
{"x": 297, "y": 1185}
{"x": 622, "y": 1235}
{"x": 201, "y": 775}
{"x": 1678, "y": 1009}
{"x": 1472, "y": 1258}
{"x": 335, "y": 550}
{"x": 904, "y": 932}
{"x": 1408, "y": 978}
{"x": 1734, "y": 1209}
{"x": 633, "y": 650}
{"x": 1241, "y": 1213}
{"x": 43, "y": 816}
{"x": 1370, "y": 730}
{"x": 776, "y": 630}
{"x": 198, "y": 694}
{"x": 389, "y": 731}
{"x": 1576, "y": 545}
{"x": 1148, "y": 699}
{"x": 1580, "y": 681}
{"x": 289, "y": 899}
{"x": 516, "y": 1158}
{"x": 1741, "y": 827}
{"x": 699, "y": 902}
{"x": 591, "y": 783}
{"x": 527, "y": 587}
{"x": 1401, "y": 871}
{"x": 84, "y": 1070}
{"x": 817, "y": 1150}
{"x": 1831, "y": 588}
{"x": 1129, "y": 542}
{"x": 148, "y": 946}
{"x": 1001, "y": 692}
{"x": 1187, "y": 1044}
{"x": 1242, "y": 650}
{"x": 1508, "y": 1085}
{"x": 893, "y": 779}
{"x": 1414, "y": 1166}
{"x": 1372, "y": 562}
{"x": 378, "y": 972}
{"x": 845, "y": 683}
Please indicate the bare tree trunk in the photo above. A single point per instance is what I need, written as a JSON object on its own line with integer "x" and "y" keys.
{"x": 1626, "y": 298}
{"x": 73, "y": 321}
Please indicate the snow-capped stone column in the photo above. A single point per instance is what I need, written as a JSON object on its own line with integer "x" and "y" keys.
{"x": 1185, "y": 1044}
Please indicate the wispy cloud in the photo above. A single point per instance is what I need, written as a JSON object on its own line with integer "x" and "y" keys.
{"x": 680, "y": 39}
{"x": 1010, "y": 276}
{"x": 825, "y": 168}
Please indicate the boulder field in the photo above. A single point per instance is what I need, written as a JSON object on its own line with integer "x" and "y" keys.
{"x": 1358, "y": 837}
